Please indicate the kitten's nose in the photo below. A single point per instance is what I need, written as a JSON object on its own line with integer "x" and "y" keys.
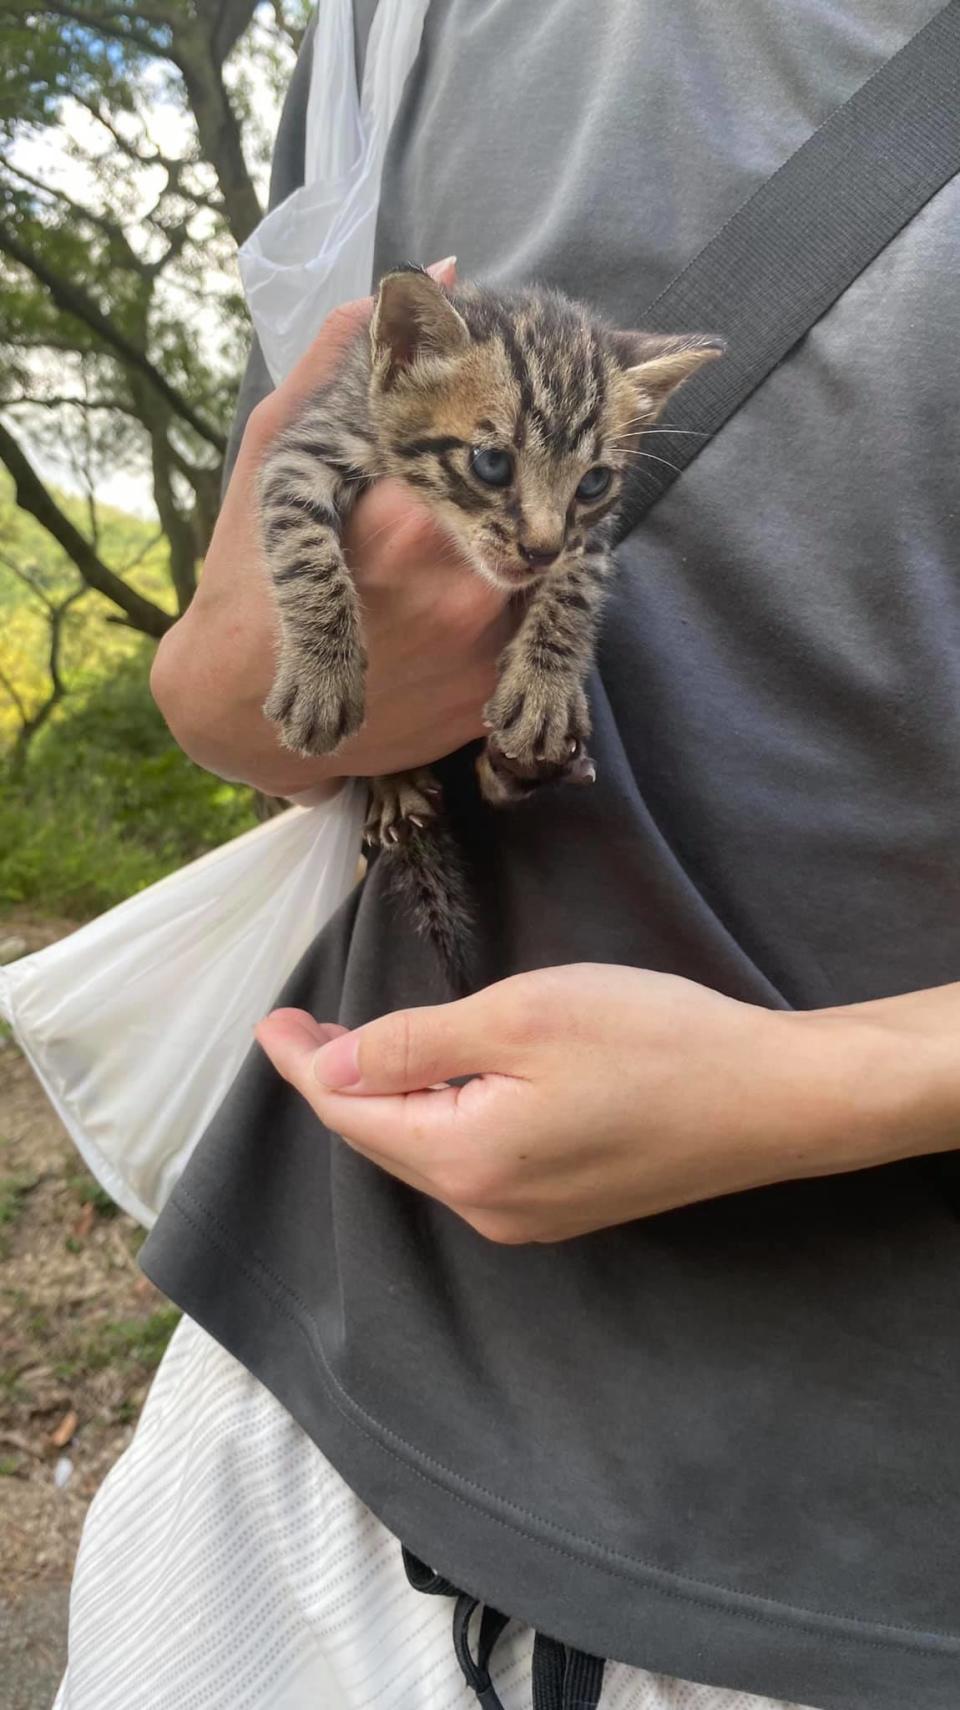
{"x": 539, "y": 557}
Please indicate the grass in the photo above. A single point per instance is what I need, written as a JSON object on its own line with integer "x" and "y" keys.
{"x": 132, "y": 1341}
{"x": 107, "y": 803}
{"x": 14, "y": 1191}
{"x": 89, "y": 1192}
{"x": 11, "y": 1389}
{"x": 126, "y": 1345}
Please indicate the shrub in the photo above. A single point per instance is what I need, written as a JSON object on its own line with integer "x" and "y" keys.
{"x": 107, "y": 803}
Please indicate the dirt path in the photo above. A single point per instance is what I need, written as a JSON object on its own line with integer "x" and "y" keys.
{"x": 81, "y": 1332}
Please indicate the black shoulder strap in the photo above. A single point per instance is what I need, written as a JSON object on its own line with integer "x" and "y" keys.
{"x": 790, "y": 251}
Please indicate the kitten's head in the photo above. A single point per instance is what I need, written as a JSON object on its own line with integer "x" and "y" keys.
{"x": 514, "y": 417}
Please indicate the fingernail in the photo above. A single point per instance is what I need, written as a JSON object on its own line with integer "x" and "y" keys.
{"x": 336, "y": 1064}
{"x": 302, "y": 1032}
{"x": 438, "y": 268}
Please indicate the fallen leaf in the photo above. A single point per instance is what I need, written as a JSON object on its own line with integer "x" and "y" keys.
{"x": 64, "y": 1431}
{"x": 84, "y": 1222}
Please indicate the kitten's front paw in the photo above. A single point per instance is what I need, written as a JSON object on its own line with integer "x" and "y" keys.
{"x": 538, "y": 735}
{"x": 504, "y": 781}
{"x": 315, "y": 711}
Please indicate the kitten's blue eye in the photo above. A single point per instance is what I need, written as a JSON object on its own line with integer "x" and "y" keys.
{"x": 495, "y": 468}
{"x": 594, "y": 483}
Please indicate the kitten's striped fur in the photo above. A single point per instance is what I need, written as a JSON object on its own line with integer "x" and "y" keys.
{"x": 442, "y": 377}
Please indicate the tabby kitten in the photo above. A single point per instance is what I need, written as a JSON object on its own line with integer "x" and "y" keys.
{"x": 514, "y": 418}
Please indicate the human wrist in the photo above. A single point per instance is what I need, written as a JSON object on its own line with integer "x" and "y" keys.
{"x": 877, "y": 1081}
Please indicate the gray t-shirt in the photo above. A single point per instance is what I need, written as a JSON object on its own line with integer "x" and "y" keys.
{"x": 721, "y": 1443}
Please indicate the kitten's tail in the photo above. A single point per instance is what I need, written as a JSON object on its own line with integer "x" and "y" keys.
{"x": 428, "y": 876}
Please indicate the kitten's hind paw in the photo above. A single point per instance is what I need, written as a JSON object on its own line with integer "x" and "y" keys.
{"x": 315, "y": 713}
{"x": 399, "y": 805}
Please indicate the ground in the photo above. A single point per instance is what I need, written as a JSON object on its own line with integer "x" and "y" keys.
{"x": 81, "y": 1333}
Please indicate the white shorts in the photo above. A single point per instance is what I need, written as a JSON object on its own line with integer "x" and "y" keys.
{"x": 225, "y": 1565}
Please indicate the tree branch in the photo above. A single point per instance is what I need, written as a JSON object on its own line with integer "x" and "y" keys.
{"x": 201, "y": 49}
{"x": 197, "y": 47}
{"x": 33, "y": 496}
{"x": 293, "y": 32}
{"x": 139, "y": 557}
{"x": 123, "y": 143}
{"x": 57, "y": 399}
{"x": 109, "y": 227}
{"x": 30, "y": 723}
{"x": 73, "y": 300}
{"x": 176, "y": 527}
{"x": 102, "y": 26}
{"x": 14, "y": 696}
{"x": 27, "y": 580}
{"x": 226, "y": 21}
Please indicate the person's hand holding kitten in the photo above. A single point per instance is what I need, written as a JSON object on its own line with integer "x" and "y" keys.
{"x": 433, "y": 630}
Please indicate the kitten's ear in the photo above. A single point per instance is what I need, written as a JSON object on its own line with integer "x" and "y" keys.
{"x": 658, "y": 363}
{"x": 413, "y": 317}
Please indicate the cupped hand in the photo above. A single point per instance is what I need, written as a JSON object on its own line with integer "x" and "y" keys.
{"x": 600, "y": 1094}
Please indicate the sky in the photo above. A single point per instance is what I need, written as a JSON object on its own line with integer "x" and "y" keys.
{"x": 47, "y": 156}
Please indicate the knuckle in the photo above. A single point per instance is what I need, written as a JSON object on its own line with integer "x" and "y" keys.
{"x": 525, "y": 1020}
{"x": 262, "y": 426}
{"x": 534, "y": 1005}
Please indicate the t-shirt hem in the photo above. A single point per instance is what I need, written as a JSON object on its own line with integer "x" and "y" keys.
{"x": 633, "y": 1613}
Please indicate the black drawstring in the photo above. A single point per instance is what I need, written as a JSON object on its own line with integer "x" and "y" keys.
{"x": 423, "y": 1578}
{"x": 477, "y": 1673}
{"x": 563, "y": 1678}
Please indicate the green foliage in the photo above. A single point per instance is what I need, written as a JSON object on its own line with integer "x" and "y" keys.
{"x": 138, "y": 1341}
{"x": 89, "y": 1192}
{"x": 107, "y": 803}
{"x": 91, "y": 647}
{"x": 133, "y": 143}
{"x": 13, "y": 1193}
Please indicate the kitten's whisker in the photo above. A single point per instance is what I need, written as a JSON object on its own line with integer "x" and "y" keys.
{"x": 652, "y": 458}
{"x": 394, "y": 527}
{"x": 632, "y": 419}
{"x": 695, "y": 433}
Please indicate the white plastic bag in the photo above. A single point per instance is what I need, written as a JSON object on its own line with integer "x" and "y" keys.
{"x": 315, "y": 250}
{"x": 137, "y": 1024}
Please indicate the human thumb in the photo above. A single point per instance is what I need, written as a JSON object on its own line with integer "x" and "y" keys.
{"x": 409, "y": 1050}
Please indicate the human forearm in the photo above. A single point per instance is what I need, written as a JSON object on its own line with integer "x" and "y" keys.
{"x": 896, "y": 1064}
{"x": 210, "y": 676}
